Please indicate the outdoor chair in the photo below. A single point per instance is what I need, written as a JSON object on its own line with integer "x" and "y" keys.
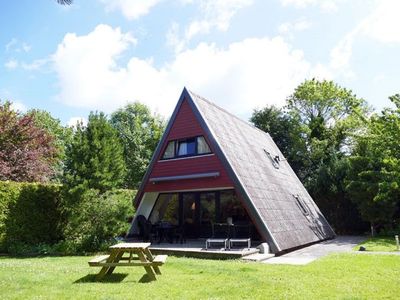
{"x": 220, "y": 235}
{"x": 240, "y": 234}
{"x": 146, "y": 232}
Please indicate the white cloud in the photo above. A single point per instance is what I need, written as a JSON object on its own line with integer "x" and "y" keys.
{"x": 18, "y": 106}
{"x": 131, "y": 9}
{"x": 381, "y": 25}
{"x": 213, "y": 14}
{"x": 72, "y": 122}
{"x": 242, "y": 76}
{"x": 297, "y": 25}
{"x": 16, "y": 46}
{"x": 11, "y": 64}
{"x": 324, "y": 5}
{"x": 26, "y": 47}
{"x": 37, "y": 64}
{"x": 11, "y": 44}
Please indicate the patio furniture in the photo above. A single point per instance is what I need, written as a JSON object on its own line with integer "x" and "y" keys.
{"x": 139, "y": 256}
{"x": 220, "y": 235}
{"x": 146, "y": 230}
{"x": 236, "y": 241}
{"x": 165, "y": 231}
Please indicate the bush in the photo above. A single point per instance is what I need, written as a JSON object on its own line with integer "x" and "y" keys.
{"x": 97, "y": 219}
{"x": 31, "y": 214}
{"x": 38, "y": 219}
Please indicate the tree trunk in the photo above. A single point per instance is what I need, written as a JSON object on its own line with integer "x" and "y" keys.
{"x": 372, "y": 230}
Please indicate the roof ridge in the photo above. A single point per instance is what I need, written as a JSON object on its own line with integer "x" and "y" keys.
{"x": 227, "y": 112}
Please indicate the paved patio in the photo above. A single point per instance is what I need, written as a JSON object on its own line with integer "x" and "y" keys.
{"x": 308, "y": 254}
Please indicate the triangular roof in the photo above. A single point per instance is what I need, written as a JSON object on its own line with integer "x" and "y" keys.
{"x": 267, "y": 187}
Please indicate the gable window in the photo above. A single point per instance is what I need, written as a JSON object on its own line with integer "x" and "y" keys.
{"x": 186, "y": 147}
{"x": 202, "y": 146}
{"x": 170, "y": 150}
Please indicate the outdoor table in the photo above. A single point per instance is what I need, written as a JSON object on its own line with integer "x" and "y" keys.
{"x": 139, "y": 255}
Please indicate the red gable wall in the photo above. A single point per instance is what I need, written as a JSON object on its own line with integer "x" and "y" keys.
{"x": 185, "y": 126}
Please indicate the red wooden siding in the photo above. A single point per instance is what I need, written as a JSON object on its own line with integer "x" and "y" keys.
{"x": 186, "y": 125}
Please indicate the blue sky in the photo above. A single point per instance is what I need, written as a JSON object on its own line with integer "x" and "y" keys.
{"x": 241, "y": 54}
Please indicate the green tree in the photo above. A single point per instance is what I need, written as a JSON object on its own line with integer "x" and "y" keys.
{"x": 374, "y": 177}
{"x": 139, "y": 132}
{"x": 286, "y": 132}
{"x": 94, "y": 157}
{"x": 62, "y": 135}
{"x": 316, "y": 132}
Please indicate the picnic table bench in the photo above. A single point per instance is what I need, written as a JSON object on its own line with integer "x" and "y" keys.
{"x": 139, "y": 255}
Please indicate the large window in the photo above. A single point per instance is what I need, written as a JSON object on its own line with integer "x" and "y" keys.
{"x": 165, "y": 209}
{"x": 186, "y": 147}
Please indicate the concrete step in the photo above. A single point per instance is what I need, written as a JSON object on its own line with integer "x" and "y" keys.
{"x": 258, "y": 257}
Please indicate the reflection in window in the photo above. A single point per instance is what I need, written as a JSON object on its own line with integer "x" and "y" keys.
{"x": 207, "y": 206}
{"x": 231, "y": 208}
{"x": 202, "y": 146}
{"x": 187, "y": 147}
{"x": 170, "y": 150}
{"x": 165, "y": 209}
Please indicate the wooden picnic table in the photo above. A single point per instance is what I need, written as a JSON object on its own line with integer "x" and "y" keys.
{"x": 138, "y": 255}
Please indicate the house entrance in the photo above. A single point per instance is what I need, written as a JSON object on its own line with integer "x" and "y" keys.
{"x": 197, "y": 211}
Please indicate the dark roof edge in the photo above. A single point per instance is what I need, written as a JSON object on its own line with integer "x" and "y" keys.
{"x": 159, "y": 147}
{"x": 224, "y": 160}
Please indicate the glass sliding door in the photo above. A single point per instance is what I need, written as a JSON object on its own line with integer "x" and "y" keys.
{"x": 166, "y": 209}
{"x": 207, "y": 213}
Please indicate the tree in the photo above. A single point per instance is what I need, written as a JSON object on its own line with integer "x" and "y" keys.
{"x": 27, "y": 152}
{"x": 286, "y": 133}
{"x": 61, "y": 135}
{"x": 139, "y": 132}
{"x": 316, "y": 132}
{"x": 94, "y": 157}
{"x": 374, "y": 177}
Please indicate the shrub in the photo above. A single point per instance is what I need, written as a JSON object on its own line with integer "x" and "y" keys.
{"x": 38, "y": 219}
{"x": 97, "y": 219}
{"x": 31, "y": 213}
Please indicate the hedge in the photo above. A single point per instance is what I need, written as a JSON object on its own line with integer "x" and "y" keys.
{"x": 34, "y": 214}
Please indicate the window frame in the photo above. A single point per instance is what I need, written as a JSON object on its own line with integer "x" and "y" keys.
{"x": 176, "y": 148}
{"x": 303, "y": 206}
{"x": 274, "y": 160}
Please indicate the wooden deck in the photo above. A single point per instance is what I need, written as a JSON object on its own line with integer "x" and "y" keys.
{"x": 196, "y": 248}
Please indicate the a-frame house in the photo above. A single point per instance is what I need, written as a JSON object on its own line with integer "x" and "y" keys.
{"x": 212, "y": 167}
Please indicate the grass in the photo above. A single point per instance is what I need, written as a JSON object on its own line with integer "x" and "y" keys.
{"x": 345, "y": 276}
{"x": 385, "y": 244}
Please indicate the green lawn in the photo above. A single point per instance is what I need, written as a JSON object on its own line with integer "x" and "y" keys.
{"x": 386, "y": 244}
{"x": 345, "y": 276}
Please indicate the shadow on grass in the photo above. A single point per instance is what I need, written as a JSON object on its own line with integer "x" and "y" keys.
{"x": 113, "y": 278}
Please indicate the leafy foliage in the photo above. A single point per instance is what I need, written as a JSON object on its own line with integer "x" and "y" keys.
{"x": 94, "y": 157}
{"x": 139, "y": 132}
{"x": 374, "y": 179}
{"x": 62, "y": 135}
{"x": 27, "y": 152}
{"x": 30, "y": 213}
{"x": 316, "y": 133}
{"x": 97, "y": 219}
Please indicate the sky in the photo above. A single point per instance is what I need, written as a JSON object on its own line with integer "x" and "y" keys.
{"x": 99, "y": 55}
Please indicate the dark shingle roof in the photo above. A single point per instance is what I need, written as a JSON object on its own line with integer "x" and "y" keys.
{"x": 270, "y": 191}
